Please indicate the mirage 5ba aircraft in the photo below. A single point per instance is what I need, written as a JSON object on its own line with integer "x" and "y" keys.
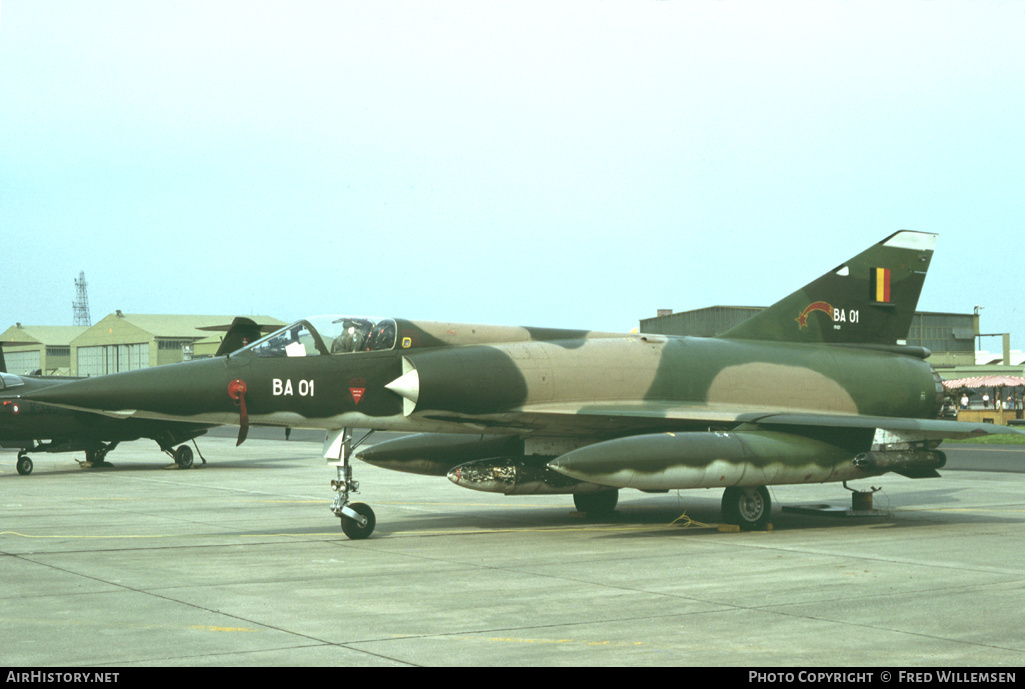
{"x": 819, "y": 387}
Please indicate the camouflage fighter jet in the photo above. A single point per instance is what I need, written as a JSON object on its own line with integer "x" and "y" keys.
{"x": 25, "y": 424}
{"x": 819, "y": 387}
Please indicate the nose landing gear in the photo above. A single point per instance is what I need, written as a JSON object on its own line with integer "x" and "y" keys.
{"x": 358, "y": 520}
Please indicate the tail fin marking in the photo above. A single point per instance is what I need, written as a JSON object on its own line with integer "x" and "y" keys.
{"x": 870, "y": 299}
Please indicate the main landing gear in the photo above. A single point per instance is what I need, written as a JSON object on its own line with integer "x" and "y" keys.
{"x": 94, "y": 457}
{"x": 97, "y": 458}
{"x": 24, "y": 463}
{"x": 358, "y": 520}
{"x": 182, "y": 456}
{"x": 749, "y": 508}
{"x": 96, "y": 454}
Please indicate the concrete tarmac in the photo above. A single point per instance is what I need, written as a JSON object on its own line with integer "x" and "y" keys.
{"x": 240, "y": 563}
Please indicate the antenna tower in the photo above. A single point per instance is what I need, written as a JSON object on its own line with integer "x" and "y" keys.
{"x": 81, "y": 305}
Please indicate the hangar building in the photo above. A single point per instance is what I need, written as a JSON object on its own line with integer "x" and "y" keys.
{"x": 45, "y": 348}
{"x": 118, "y": 342}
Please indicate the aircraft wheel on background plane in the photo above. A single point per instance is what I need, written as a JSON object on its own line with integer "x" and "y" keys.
{"x": 24, "y": 465}
{"x": 597, "y": 504}
{"x": 352, "y": 528}
{"x": 96, "y": 459}
{"x": 749, "y": 508}
{"x": 183, "y": 457}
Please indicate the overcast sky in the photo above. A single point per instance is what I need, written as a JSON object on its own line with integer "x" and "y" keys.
{"x": 575, "y": 164}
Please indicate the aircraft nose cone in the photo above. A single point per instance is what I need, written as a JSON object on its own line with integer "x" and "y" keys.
{"x": 175, "y": 390}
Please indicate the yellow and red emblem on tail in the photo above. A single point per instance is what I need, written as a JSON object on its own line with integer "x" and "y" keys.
{"x": 881, "y": 285}
{"x": 822, "y": 306}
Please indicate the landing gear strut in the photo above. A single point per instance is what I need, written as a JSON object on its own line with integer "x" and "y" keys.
{"x": 357, "y": 518}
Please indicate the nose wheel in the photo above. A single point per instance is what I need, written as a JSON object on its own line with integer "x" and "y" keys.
{"x": 358, "y": 520}
{"x": 362, "y": 524}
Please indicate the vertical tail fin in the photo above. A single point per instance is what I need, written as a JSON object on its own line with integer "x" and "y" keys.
{"x": 241, "y": 332}
{"x": 870, "y": 299}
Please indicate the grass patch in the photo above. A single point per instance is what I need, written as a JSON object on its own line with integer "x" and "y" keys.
{"x": 1008, "y": 439}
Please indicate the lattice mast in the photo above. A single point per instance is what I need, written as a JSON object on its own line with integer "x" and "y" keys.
{"x": 80, "y": 307}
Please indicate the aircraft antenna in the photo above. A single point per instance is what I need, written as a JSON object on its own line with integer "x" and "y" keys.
{"x": 80, "y": 307}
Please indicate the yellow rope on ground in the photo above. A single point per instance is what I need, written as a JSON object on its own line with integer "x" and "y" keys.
{"x": 690, "y": 522}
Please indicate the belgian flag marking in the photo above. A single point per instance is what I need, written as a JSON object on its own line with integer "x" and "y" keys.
{"x": 881, "y": 285}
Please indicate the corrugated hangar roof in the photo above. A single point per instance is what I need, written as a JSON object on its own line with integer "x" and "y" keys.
{"x": 53, "y": 335}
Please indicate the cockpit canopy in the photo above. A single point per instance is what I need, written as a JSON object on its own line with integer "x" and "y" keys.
{"x": 8, "y": 380}
{"x": 326, "y": 335}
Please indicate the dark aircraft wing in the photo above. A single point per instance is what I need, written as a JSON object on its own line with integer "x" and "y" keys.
{"x": 616, "y": 419}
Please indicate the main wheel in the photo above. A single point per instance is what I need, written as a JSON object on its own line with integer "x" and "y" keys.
{"x": 598, "y": 504}
{"x": 96, "y": 459}
{"x": 24, "y": 465}
{"x": 750, "y": 508}
{"x": 183, "y": 457}
{"x": 352, "y": 528}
